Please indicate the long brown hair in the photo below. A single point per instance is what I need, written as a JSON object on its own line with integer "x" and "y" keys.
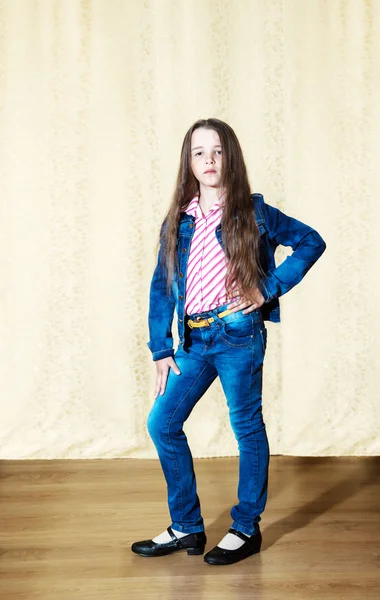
{"x": 240, "y": 236}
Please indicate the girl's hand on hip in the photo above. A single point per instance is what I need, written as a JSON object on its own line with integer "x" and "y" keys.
{"x": 256, "y": 300}
{"x": 162, "y": 366}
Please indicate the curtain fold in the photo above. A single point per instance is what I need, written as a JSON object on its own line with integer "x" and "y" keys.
{"x": 95, "y": 99}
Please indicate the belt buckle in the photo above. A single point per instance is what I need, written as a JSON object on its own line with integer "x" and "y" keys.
{"x": 197, "y": 320}
{"x": 205, "y": 322}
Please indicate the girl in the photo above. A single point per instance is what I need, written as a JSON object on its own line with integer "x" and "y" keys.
{"x": 216, "y": 267}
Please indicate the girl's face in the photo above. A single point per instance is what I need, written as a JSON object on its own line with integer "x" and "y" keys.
{"x": 206, "y": 157}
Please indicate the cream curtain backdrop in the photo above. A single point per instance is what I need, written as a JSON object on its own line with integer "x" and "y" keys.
{"x": 96, "y": 97}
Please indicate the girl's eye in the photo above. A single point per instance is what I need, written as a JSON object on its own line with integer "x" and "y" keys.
{"x": 197, "y": 153}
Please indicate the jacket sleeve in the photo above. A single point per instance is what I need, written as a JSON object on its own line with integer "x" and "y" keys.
{"x": 161, "y": 312}
{"x": 307, "y": 245}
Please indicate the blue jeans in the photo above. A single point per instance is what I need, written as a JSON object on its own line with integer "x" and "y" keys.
{"x": 232, "y": 347}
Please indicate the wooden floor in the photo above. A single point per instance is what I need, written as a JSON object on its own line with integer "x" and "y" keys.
{"x": 67, "y": 527}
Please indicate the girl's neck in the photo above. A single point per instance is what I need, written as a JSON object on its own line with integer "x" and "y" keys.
{"x": 208, "y": 197}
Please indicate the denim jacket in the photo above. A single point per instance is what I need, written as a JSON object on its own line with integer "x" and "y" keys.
{"x": 275, "y": 228}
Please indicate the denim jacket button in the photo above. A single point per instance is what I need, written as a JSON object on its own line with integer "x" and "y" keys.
{"x": 181, "y": 274}
{"x": 180, "y": 297}
{"x": 180, "y": 320}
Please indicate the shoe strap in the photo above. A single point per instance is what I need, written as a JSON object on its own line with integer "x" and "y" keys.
{"x": 243, "y": 536}
{"x": 172, "y": 534}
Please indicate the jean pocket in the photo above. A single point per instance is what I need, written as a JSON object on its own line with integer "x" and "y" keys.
{"x": 238, "y": 330}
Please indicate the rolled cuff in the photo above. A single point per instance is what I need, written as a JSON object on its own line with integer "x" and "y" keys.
{"x": 162, "y": 354}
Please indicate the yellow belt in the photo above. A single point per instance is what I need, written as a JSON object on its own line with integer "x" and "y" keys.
{"x": 206, "y": 322}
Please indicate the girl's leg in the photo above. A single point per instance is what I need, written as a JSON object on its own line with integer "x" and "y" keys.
{"x": 240, "y": 368}
{"x": 165, "y": 426}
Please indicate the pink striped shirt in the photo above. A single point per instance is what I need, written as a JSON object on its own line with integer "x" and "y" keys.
{"x": 207, "y": 262}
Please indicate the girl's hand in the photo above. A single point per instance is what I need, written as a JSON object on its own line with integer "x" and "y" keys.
{"x": 162, "y": 366}
{"x": 248, "y": 304}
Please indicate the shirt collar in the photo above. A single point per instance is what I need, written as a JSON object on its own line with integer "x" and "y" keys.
{"x": 193, "y": 207}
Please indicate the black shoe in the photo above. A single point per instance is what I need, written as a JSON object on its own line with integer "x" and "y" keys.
{"x": 221, "y": 556}
{"x": 194, "y": 543}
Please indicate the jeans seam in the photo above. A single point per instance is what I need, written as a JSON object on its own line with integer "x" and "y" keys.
{"x": 170, "y": 441}
{"x": 256, "y": 448}
{"x": 254, "y": 436}
{"x": 251, "y": 422}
